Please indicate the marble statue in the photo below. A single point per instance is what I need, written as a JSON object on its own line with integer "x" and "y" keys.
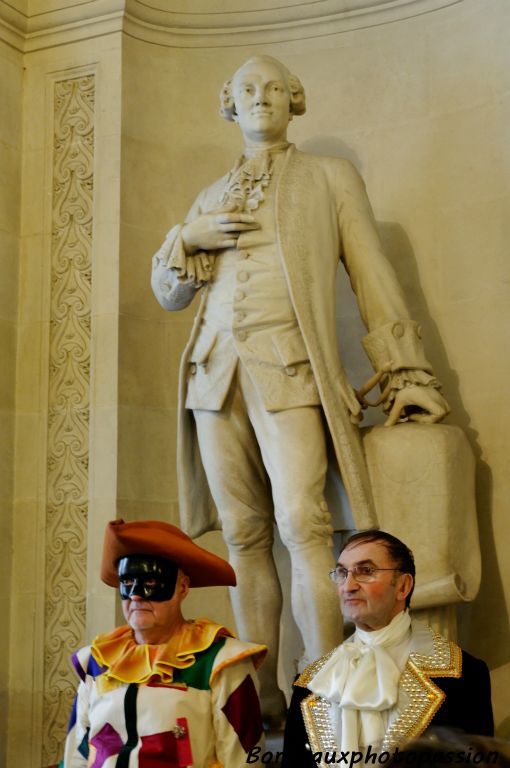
{"x": 265, "y": 406}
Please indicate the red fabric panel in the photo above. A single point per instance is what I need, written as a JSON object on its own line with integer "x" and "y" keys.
{"x": 242, "y": 710}
{"x": 158, "y": 750}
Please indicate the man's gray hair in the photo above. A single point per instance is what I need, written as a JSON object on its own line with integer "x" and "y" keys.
{"x": 297, "y": 92}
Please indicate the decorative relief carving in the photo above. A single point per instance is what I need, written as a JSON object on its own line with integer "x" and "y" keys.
{"x": 68, "y": 401}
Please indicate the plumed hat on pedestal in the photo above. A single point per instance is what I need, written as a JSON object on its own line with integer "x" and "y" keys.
{"x": 154, "y": 537}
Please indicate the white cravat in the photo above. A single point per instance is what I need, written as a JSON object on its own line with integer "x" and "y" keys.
{"x": 361, "y": 681}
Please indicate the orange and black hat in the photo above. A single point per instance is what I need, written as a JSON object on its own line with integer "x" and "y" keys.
{"x": 154, "y": 537}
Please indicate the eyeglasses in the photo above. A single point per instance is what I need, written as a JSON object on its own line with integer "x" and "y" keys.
{"x": 361, "y": 573}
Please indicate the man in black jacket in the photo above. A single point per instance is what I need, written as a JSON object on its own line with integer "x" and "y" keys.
{"x": 389, "y": 682}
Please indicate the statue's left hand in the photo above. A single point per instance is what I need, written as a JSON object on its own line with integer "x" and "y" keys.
{"x": 425, "y": 405}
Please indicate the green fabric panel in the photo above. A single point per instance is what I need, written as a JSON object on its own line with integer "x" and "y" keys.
{"x": 198, "y": 675}
{"x": 83, "y": 748}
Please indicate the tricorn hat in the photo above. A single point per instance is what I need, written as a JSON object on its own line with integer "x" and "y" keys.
{"x": 154, "y": 537}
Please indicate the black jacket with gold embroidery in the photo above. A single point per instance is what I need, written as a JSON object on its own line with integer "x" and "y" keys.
{"x": 448, "y": 688}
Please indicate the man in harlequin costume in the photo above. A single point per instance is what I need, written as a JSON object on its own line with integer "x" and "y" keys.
{"x": 162, "y": 690}
{"x": 393, "y": 679}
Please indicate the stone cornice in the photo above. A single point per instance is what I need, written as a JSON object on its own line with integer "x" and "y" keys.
{"x": 163, "y": 22}
{"x": 278, "y": 22}
{"x": 13, "y": 26}
{"x": 39, "y": 30}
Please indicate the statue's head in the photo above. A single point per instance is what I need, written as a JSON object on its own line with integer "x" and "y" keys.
{"x": 262, "y": 96}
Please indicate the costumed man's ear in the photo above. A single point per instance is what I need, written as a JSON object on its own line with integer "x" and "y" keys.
{"x": 406, "y": 585}
{"x": 182, "y": 587}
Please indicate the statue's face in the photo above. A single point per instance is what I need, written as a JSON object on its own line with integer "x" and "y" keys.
{"x": 262, "y": 101}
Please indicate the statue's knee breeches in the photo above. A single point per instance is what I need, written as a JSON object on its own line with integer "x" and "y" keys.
{"x": 303, "y": 522}
{"x": 247, "y": 532}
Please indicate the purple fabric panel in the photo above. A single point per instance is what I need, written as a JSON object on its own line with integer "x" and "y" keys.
{"x": 107, "y": 742}
{"x": 94, "y": 669}
{"x": 72, "y": 719}
{"x": 77, "y": 666}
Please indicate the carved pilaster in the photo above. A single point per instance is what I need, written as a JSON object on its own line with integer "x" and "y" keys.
{"x": 68, "y": 401}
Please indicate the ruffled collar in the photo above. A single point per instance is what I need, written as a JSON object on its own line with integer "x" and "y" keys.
{"x": 250, "y": 176}
{"x": 125, "y": 661}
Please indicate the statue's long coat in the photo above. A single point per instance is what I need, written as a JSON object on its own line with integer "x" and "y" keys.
{"x": 322, "y": 215}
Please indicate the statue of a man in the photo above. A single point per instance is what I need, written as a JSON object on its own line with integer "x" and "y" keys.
{"x": 264, "y": 401}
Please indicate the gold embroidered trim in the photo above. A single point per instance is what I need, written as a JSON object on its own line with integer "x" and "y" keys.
{"x": 445, "y": 662}
{"x": 425, "y": 697}
{"x": 320, "y": 733}
{"x": 311, "y": 670}
{"x": 425, "y": 700}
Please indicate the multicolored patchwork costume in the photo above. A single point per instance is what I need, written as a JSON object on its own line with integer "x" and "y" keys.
{"x": 184, "y": 703}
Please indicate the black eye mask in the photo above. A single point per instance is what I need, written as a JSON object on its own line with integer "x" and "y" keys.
{"x": 148, "y": 577}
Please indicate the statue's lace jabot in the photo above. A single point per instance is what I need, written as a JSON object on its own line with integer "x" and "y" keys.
{"x": 249, "y": 178}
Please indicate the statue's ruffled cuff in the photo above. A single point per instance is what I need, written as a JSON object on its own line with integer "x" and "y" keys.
{"x": 195, "y": 269}
{"x": 396, "y": 353}
{"x": 404, "y": 378}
